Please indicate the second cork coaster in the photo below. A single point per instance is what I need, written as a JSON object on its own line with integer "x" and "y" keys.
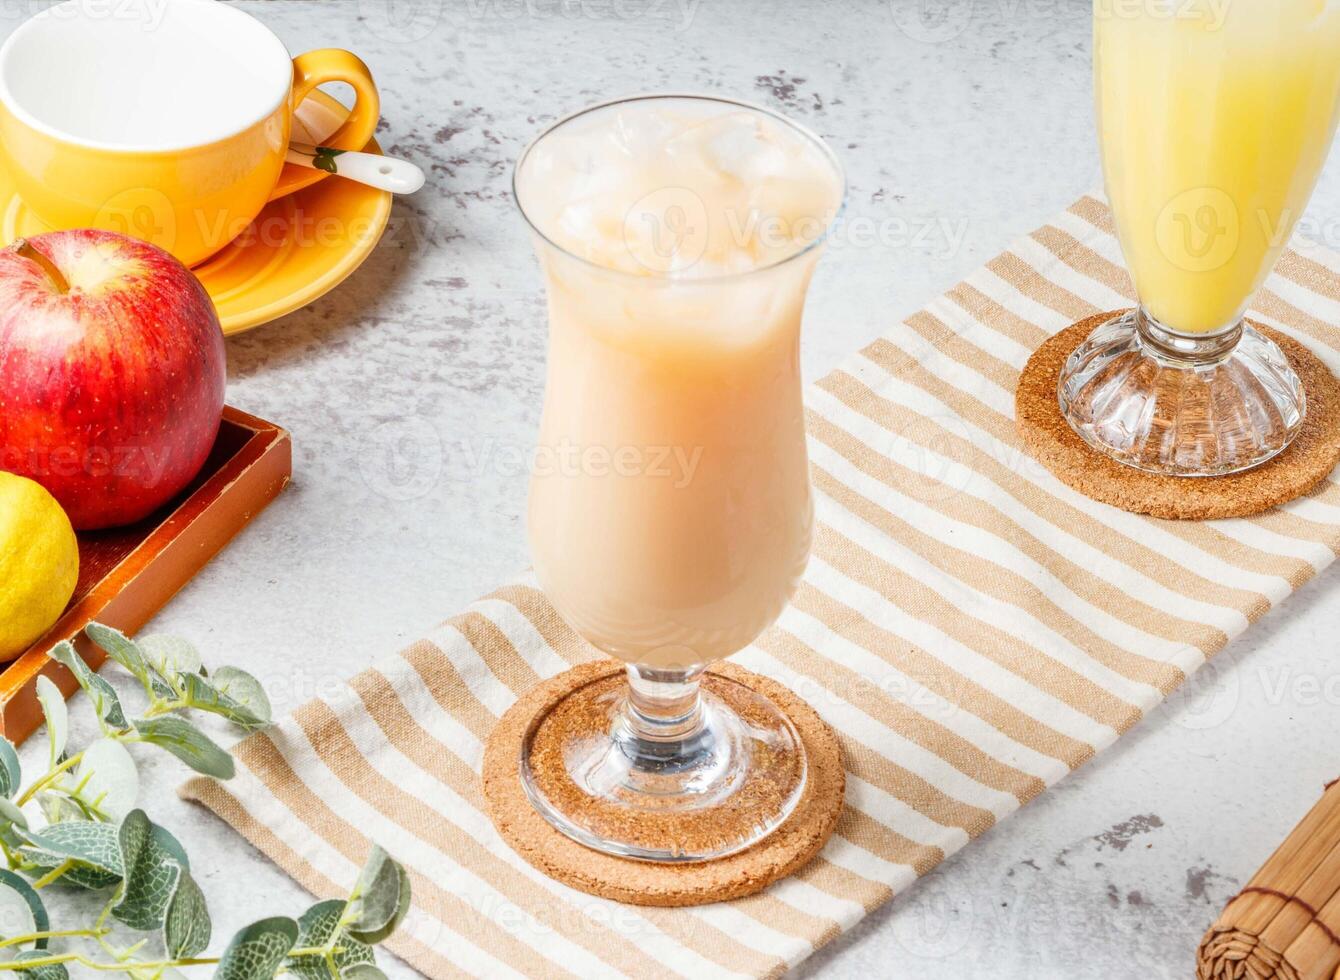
{"x": 1049, "y": 438}
{"x": 785, "y": 851}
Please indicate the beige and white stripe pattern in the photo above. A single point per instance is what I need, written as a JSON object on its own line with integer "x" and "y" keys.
{"x": 971, "y": 627}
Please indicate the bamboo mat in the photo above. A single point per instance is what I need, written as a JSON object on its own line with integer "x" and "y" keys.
{"x": 1282, "y": 926}
{"x": 972, "y": 628}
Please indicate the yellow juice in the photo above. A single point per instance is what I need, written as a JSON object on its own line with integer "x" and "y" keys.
{"x": 1215, "y": 117}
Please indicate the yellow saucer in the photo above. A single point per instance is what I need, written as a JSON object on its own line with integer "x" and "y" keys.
{"x": 298, "y": 249}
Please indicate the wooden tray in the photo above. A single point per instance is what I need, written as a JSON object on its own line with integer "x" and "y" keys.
{"x": 128, "y": 574}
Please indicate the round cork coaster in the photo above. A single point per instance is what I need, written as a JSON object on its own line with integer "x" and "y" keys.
{"x": 1049, "y": 438}
{"x": 785, "y": 851}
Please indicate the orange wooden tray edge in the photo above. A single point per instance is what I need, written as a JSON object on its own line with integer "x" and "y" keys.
{"x": 158, "y": 567}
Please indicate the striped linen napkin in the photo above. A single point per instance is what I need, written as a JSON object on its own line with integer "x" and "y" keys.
{"x": 971, "y": 627}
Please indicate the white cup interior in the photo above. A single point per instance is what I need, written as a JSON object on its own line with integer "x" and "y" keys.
{"x": 143, "y": 75}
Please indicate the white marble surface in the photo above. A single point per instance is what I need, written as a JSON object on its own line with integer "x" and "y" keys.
{"x": 413, "y": 390}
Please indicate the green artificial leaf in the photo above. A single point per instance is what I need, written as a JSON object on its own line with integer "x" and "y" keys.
{"x": 47, "y": 971}
{"x": 57, "y": 716}
{"x": 106, "y": 779}
{"x": 187, "y": 743}
{"x": 120, "y": 648}
{"x": 258, "y": 951}
{"x": 374, "y": 936}
{"x": 78, "y": 876}
{"x": 96, "y": 846}
{"x": 232, "y": 693}
{"x": 244, "y": 689}
{"x": 151, "y": 875}
{"x": 58, "y": 808}
{"x": 21, "y": 908}
{"x": 187, "y": 928}
{"x": 158, "y": 892}
{"x": 103, "y": 695}
{"x": 315, "y": 928}
{"x": 164, "y": 840}
{"x": 162, "y": 689}
{"x": 319, "y": 922}
{"x": 12, "y": 822}
{"x": 381, "y": 898}
{"x": 11, "y": 776}
{"x": 362, "y": 971}
{"x": 170, "y": 655}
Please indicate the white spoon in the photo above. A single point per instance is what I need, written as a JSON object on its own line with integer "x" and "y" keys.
{"x": 384, "y": 173}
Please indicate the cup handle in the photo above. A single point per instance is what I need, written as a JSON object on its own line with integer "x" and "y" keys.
{"x": 336, "y": 65}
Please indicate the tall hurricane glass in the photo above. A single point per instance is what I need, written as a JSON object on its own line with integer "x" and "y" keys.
{"x": 1215, "y": 119}
{"x": 670, "y": 508}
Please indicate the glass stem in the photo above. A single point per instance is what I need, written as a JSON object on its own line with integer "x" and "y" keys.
{"x": 664, "y": 711}
{"x": 1185, "y": 349}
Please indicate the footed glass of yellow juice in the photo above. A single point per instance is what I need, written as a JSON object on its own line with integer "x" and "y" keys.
{"x": 1215, "y": 118}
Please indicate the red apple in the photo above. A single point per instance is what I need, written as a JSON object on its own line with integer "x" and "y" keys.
{"x": 112, "y": 373}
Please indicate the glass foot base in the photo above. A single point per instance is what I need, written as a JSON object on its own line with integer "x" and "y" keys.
{"x": 707, "y": 782}
{"x": 1181, "y": 405}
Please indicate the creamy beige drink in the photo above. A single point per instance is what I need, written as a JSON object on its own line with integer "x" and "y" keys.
{"x": 670, "y": 510}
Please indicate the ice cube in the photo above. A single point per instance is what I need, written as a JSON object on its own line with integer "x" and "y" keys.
{"x": 577, "y": 219}
{"x": 741, "y": 146}
{"x": 639, "y": 134}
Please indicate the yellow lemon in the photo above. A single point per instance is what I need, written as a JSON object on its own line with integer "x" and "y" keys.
{"x": 39, "y": 563}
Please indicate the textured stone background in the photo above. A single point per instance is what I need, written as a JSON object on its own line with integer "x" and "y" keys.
{"x": 413, "y": 394}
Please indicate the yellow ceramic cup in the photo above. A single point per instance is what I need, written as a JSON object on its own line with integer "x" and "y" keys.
{"x": 168, "y": 121}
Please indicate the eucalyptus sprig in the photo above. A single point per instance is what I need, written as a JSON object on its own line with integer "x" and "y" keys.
{"x": 93, "y": 838}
